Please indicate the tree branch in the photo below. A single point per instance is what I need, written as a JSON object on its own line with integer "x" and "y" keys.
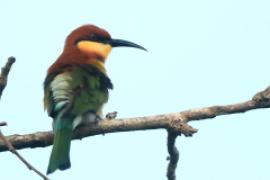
{"x": 4, "y": 74}
{"x": 174, "y": 155}
{"x": 175, "y": 122}
{"x": 14, "y": 151}
{"x": 3, "y": 82}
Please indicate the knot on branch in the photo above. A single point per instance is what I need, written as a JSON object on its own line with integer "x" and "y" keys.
{"x": 180, "y": 126}
{"x": 262, "y": 96}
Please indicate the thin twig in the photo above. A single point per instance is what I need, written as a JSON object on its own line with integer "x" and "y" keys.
{"x": 4, "y": 74}
{"x": 13, "y": 150}
{"x": 3, "y": 82}
{"x": 174, "y": 155}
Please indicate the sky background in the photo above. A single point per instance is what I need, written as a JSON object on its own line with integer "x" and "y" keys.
{"x": 200, "y": 53}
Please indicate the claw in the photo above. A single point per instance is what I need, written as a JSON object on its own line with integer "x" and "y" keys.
{"x": 111, "y": 115}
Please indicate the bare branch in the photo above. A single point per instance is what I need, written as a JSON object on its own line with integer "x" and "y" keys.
{"x": 4, "y": 74}
{"x": 176, "y": 122}
{"x": 13, "y": 150}
{"x": 3, "y": 82}
{"x": 174, "y": 155}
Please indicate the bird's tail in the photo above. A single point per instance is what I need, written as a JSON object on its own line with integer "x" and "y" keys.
{"x": 59, "y": 158}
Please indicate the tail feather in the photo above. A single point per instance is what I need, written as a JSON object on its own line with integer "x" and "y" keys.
{"x": 59, "y": 158}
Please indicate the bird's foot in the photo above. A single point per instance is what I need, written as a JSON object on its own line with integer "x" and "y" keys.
{"x": 97, "y": 119}
{"x": 111, "y": 115}
{"x": 91, "y": 118}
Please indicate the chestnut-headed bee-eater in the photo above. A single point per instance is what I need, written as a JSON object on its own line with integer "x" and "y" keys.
{"x": 76, "y": 87}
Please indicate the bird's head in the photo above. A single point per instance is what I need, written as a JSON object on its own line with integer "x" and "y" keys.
{"x": 95, "y": 42}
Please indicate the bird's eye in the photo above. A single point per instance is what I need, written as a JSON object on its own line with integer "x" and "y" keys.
{"x": 93, "y": 37}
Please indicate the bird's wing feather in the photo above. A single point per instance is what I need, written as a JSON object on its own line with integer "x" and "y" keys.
{"x": 83, "y": 86}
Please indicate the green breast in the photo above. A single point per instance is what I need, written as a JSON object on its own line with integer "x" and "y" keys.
{"x": 88, "y": 92}
{"x": 84, "y": 87}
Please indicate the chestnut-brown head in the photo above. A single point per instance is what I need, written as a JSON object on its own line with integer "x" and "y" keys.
{"x": 88, "y": 44}
{"x": 93, "y": 41}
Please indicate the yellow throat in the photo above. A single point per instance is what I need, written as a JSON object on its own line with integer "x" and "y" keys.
{"x": 90, "y": 47}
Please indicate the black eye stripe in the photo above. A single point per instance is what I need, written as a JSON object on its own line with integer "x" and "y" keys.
{"x": 81, "y": 39}
{"x": 92, "y": 37}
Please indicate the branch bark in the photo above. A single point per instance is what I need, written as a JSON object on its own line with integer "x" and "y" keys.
{"x": 3, "y": 82}
{"x": 175, "y": 122}
{"x": 174, "y": 156}
{"x": 15, "y": 152}
{"x": 4, "y": 74}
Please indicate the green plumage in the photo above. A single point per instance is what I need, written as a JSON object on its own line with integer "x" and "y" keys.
{"x": 84, "y": 89}
{"x": 61, "y": 146}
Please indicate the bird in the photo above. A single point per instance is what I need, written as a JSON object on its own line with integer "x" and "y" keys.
{"x": 77, "y": 86}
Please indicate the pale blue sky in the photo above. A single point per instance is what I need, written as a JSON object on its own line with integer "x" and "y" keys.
{"x": 201, "y": 53}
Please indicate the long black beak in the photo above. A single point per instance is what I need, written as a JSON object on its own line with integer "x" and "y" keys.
{"x": 120, "y": 42}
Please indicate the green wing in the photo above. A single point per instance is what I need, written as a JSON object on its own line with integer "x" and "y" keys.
{"x": 88, "y": 89}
